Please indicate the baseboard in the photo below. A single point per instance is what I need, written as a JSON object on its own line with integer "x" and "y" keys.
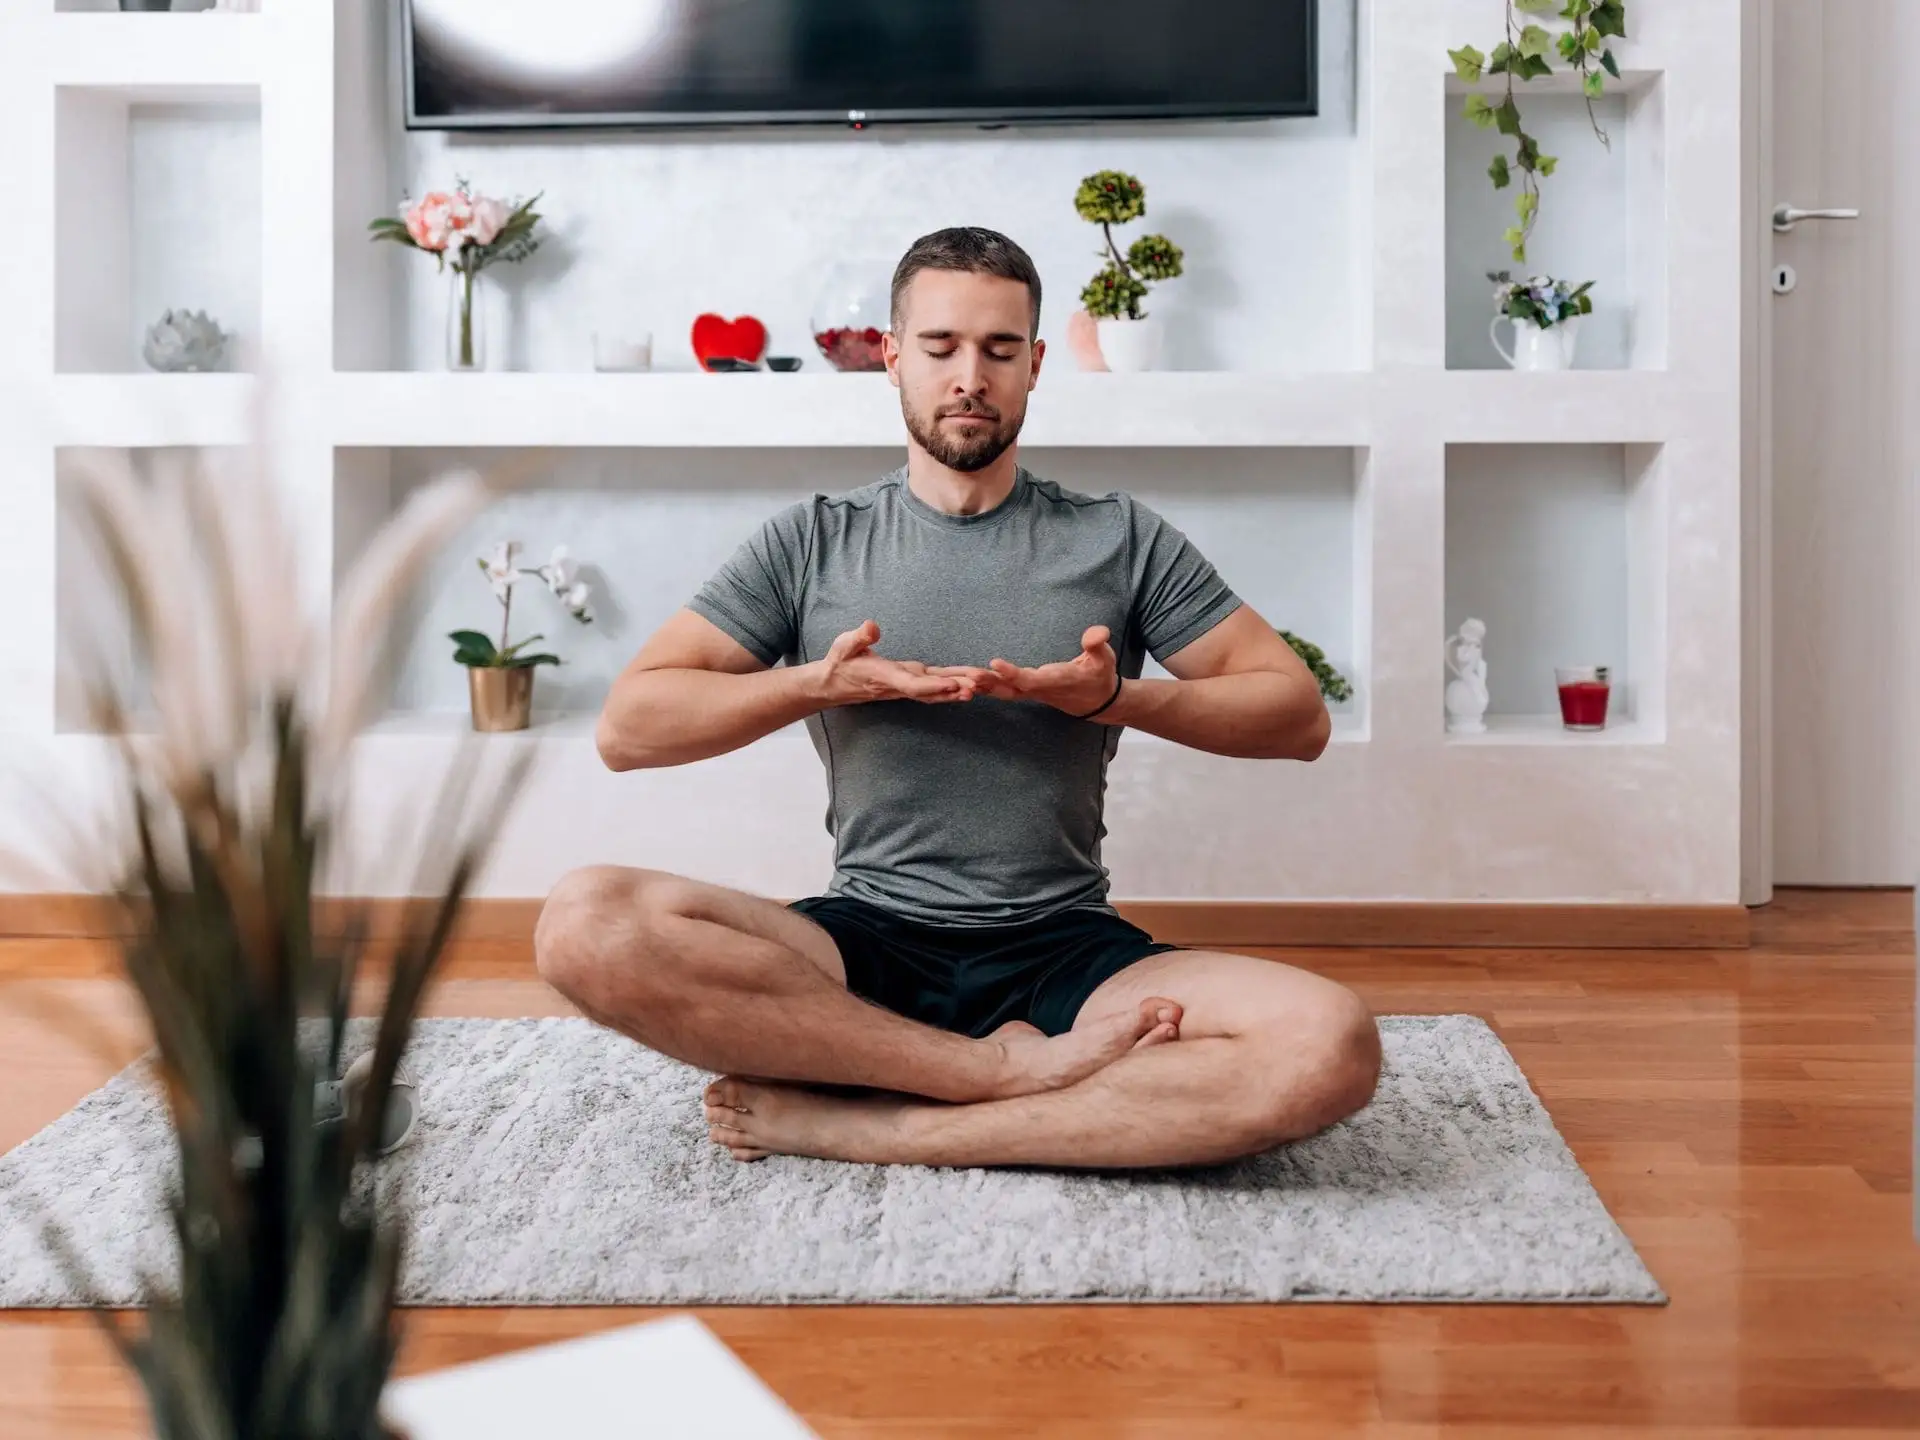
{"x": 1198, "y": 923}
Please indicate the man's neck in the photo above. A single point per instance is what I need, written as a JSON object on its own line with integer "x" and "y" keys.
{"x": 958, "y": 492}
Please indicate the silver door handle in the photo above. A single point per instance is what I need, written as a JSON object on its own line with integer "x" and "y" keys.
{"x": 1785, "y": 217}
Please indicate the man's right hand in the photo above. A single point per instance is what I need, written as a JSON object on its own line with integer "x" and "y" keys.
{"x": 851, "y": 674}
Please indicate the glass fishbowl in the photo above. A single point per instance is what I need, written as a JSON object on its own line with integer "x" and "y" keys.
{"x": 851, "y": 314}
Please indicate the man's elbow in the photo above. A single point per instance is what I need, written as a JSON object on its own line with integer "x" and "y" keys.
{"x": 1311, "y": 737}
{"x": 617, "y": 750}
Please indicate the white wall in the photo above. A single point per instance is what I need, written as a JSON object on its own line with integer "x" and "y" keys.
{"x": 1396, "y": 809}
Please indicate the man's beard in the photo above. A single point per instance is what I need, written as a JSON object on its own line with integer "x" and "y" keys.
{"x": 975, "y": 449}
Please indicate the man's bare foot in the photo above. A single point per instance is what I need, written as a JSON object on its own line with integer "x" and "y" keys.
{"x": 754, "y": 1120}
{"x": 1035, "y": 1062}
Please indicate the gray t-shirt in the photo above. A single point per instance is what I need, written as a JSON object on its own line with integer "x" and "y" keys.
{"x": 986, "y": 811}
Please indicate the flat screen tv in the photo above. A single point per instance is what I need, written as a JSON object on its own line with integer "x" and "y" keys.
{"x": 509, "y": 64}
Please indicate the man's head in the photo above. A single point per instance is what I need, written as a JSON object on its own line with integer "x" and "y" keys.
{"x": 964, "y": 347}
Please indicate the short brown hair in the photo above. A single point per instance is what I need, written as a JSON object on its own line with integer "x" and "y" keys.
{"x": 973, "y": 249}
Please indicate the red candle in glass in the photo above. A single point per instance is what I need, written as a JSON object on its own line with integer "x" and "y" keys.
{"x": 1584, "y": 693}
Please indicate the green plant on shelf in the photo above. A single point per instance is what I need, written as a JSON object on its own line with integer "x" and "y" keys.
{"x": 1108, "y": 198}
{"x": 1540, "y": 299}
{"x": 1523, "y": 56}
{"x": 1333, "y": 685}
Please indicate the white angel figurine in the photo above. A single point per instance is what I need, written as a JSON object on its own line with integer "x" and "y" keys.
{"x": 1467, "y": 694}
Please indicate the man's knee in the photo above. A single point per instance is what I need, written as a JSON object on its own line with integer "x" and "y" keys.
{"x": 596, "y": 930}
{"x": 1323, "y": 1068}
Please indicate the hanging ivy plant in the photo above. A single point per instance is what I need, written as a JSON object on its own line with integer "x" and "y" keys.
{"x": 1523, "y": 56}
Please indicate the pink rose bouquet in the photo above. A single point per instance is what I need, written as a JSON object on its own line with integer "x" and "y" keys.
{"x": 468, "y": 232}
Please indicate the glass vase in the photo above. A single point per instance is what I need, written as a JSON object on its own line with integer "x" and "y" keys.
{"x": 850, "y": 314}
{"x": 466, "y": 330}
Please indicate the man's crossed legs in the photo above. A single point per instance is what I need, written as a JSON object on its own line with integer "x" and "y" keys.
{"x": 1188, "y": 1057}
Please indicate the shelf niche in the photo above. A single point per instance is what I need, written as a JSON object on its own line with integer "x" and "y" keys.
{"x": 93, "y": 632}
{"x": 1286, "y": 527}
{"x": 1603, "y": 217}
{"x": 1561, "y": 551}
{"x": 157, "y": 207}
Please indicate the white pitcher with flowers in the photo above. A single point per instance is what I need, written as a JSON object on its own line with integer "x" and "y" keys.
{"x": 466, "y": 232}
{"x": 1545, "y": 314}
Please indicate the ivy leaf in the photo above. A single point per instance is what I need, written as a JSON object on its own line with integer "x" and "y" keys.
{"x": 1567, "y": 44}
{"x": 1528, "y": 67}
{"x": 1526, "y": 203}
{"x": 1507, "y": 116}
{"x": 1612, "y": 65}
{"x": 1534, "y": 7}
{"x": 1498, "y": 173}
{"x": 1467, "y": 62}
{"x": 1517, "y": 238}
{"x": 1595, "y": 85}
{"x": 1502, "y": 58}
{"x": 1590, "y": 40}
{"x": 1546, "y": 164}
{"x": 1610, "y": 18}
{"x": 1534, "y": 41}
{"x": 1527, "y": 155}
{"x": 1480, "y": 111}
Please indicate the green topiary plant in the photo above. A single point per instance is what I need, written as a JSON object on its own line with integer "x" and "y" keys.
{"x": 1523, "y": 55}
{"x": 1333, "y": 685}
{"x": 1108, "y": 198}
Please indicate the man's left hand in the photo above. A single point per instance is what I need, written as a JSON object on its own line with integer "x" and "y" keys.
{"x": 1076, "y": 686}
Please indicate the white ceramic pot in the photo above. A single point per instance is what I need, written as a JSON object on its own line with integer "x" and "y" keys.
{"x": 1130, "y": 344}
{"x": 1537, "y": 349}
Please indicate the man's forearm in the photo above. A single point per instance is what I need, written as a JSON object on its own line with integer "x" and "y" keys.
{"x": 673, "y": 717}
{"x": 1254, "y": 715}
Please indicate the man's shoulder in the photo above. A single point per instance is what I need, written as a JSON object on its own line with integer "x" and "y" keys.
{"x": 1110, "y": 514}
{"x": 800, "y": 514}
{"x": 1060, "y": 498}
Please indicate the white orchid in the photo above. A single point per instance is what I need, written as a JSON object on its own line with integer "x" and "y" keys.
{"x": 503, "y": 571}
{"x": 559, "y": 572}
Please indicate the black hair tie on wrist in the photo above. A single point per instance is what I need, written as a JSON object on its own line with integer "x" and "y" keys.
{"x": 1118, "y": 681}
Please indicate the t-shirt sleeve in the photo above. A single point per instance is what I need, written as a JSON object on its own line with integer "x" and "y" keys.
{"x": 1177, "y": 594}
{"x": 754, "y": 596}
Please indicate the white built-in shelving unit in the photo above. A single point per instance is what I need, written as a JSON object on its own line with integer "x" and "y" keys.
{"x": 1595, "y": 510}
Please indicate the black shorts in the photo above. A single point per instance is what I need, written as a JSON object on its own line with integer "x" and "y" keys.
{"x": 975, "y": 978}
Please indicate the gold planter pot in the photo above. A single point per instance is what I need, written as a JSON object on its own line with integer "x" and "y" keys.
{"x": 502, "y": 699}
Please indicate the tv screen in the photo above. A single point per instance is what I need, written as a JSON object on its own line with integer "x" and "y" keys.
{"x": 494, "y": 64}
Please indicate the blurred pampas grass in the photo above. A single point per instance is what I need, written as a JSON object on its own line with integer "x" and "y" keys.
{"x": 230, "y": 792}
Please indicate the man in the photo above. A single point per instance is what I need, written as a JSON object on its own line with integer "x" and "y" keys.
{"x": 964, "y": 641}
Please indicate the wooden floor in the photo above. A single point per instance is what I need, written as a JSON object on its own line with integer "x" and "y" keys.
{"x": 1744, "y": 1115}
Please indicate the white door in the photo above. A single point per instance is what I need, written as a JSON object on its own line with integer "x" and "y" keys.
{"x": 1845, "y": 436}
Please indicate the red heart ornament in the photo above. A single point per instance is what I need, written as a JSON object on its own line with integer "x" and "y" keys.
{"x": 741, "y": 339}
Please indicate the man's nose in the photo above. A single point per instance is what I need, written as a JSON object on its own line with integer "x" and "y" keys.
{"x": 971, "y": 378}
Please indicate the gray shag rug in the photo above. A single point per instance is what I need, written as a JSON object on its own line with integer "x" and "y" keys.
{"x": 557, "y": 1163}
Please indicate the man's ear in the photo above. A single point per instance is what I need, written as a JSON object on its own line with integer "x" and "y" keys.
{"x": 1039, "y": 354}
{"x": 890, "y": 356}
